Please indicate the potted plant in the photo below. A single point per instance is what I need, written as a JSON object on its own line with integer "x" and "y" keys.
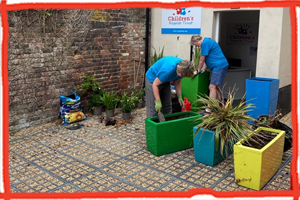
{"x": 219, "y": 130}
{"x": 195, "y": 86}
{"x": 174, "y": 134}
{"x": 88, "y": 88}
{"x": 89, "y": 85}
{"x": 156, "y": 56}
{"x": 141, "y": 96}
{"x": 258, "y": 157}
{"x": 127, "y": 103}
{"x": 110, "y": 100}
{"x": 96, "y": 103}
{"x": 272, "y": 121}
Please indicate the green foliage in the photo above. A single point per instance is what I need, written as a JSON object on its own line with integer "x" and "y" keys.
{"x": 96, "y": 100}
{"x": 90, "y": 85}
{"x": 229, "y": 123}
{"x": 128, "y": 102}
{"x": 141, "y": 95}
{"x": 110, "y": 100}
{"x": 47, "y": 13}
{"x": 196, "y": 57}
{"x": 155, "y": 57}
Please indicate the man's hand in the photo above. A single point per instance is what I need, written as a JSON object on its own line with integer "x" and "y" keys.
{"x": 158, "y": 105}
{"x": 202, "y": 70}
{"x": 196, "y": 72}
{"x": 181, "y": 101}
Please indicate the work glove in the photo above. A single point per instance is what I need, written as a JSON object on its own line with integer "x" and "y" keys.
{"x": 196, "y": 72}
{"x": 199, "y": 72}
{"x": 158, "y": 105}
{"x": 180, "y": 101}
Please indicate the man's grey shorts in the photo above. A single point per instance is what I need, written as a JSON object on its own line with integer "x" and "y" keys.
{"x": 217, "y": 77}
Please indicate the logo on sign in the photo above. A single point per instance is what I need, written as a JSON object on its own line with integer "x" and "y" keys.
{"x": 242, "y": 33}
{"x": 181, "y": 17}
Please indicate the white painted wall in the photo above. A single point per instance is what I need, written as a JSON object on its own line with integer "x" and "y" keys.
{"x": 285, "y": 63}
{"x": 274, "y": 40}
{"x": 274, "y": 46}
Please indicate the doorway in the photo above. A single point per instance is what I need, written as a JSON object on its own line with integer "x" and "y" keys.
{"x": 236, "y": 31}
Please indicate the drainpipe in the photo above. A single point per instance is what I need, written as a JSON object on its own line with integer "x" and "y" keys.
{"x": 147, "y": 41}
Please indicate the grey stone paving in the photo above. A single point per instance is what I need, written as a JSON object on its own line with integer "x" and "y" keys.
{"x": 51, "y": 158}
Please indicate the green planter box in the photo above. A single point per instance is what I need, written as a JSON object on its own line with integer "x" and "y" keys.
{"x": 173, "y": 134}
{"x": 192, "y": 87}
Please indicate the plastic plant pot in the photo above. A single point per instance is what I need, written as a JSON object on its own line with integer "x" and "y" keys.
{"x": 192, "y": 87}
{"x": 204, "y": 148}
{"x": 175, "y": 134}
{"x": 255, "y": 167}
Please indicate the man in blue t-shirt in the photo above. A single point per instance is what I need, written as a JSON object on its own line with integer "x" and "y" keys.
{"x": 158, "y": 83}
{"x": 213, "y": 57}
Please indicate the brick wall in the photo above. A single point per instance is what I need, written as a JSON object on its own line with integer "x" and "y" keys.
{"x": 49, "y": 51}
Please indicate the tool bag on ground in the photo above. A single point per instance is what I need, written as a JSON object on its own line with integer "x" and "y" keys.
{"x": 70, "y": 109}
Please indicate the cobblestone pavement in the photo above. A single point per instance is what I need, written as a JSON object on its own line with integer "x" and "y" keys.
{"x": 51, "y": 158}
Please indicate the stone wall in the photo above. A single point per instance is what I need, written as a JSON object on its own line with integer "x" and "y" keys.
{"x": 49, "y": 52}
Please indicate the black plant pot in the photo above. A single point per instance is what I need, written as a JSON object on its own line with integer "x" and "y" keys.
{"x": 288, "y": 141}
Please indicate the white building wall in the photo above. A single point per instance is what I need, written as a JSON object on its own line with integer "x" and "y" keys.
{"x": 269, "y": 42}
{"x": 285, "y": 63}
{"x": 274, "y": 41}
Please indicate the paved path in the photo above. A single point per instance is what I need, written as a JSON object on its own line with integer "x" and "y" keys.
{"x": 51, "y": 158}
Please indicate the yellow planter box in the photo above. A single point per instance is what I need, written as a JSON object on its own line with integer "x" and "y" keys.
{"x": 255, "y": 167}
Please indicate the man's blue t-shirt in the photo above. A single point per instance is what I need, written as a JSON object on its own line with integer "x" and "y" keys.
{"x": 215, "y": 59}
{"x": 164, "y": 69}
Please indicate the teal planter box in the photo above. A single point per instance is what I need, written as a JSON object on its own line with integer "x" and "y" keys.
{"x": 263, "y": 93}
{"x": 192, "y": 87}
{"x": 204, "y": 148}
{"x": 175, "y": 134}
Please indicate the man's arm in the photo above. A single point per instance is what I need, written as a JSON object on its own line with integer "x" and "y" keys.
{"x": 201, "y": 63}
{"x": 177, "y": 85}
{"x": 155, "y": 85}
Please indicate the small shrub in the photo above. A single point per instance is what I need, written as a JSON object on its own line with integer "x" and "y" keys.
{"x": 128, "y": 102}
{"x": 89, "y": 85}
{"x": 110, "y": 100}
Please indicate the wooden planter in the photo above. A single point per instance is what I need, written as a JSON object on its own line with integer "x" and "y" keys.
{"x": 171, "y": 135}
{"x": 255, "y": 167}
{"x": 204, "y": 148}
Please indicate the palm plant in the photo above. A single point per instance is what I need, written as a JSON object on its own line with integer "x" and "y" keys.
{"x": 156, "y": 56}
{"x": 229, "y": 123}
{"x": 110, "y": 100}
